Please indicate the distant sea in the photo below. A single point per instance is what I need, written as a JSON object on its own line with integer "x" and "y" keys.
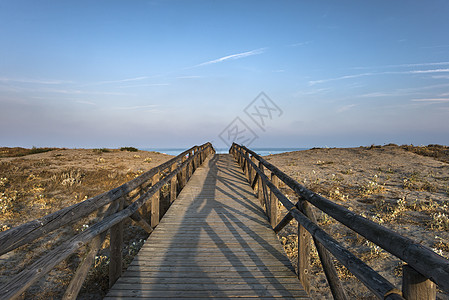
{"x": 260, "y": 151}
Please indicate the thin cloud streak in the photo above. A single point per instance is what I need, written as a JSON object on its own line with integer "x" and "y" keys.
{"x": 429, "y": 71}
{"x": 442, "y": 63}
{"x": 86, "y": 102}
{"x": 434, "y": 100}
{"x": 313, "y": 82}
{"x": 189, "y": 77}
{"x": 34, "y": 81}
{"x": 143, "y": 85}
{"x": 135, "y": 107}
{"x": 233, "y": 57}
{"x": 121, "y": 80}
{"x": 345, "y": 108}
{"x": 300, "y": 44}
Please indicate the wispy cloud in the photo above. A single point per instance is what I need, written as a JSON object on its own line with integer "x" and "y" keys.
{"x": 376, "y": 94}
{"x": 428, "y": 64}
{"x": 432, "y": 100}
{"x": 233, "y": 57}
{"x": 143, "y": 85}
{"x": 79, "y": 92}
{"x": 440, "y": 77}
{"x": 189, "y": 77}
{"x": 345, "y": 108}
{"x": 428, "y": 71}
{"x": 300, "y": 44}
{"x": 138, "y": 107}
{"x": 34, "y": 81}
{"x": 312, "y": 82}
{"x": 122, "y": 80}
{"x": 86, "y": 102}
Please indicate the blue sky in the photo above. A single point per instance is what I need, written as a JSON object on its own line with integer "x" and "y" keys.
{"x": 177, "y": 73}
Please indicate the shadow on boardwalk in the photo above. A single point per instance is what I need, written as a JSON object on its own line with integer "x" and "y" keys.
{"x": 214, "y": 241}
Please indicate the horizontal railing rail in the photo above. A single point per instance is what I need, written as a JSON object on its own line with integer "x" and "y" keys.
{"x": 421, "y": 262}
{"x": 130, "y": 200}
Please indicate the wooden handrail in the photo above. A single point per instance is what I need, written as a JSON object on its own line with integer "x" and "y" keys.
{"x": 418, "y": 257}
{"x": 28, "y": 232}
{"x": 20, "y": 282}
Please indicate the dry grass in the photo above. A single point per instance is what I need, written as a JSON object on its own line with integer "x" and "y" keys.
{"x": 32, "y": 186}
{"x": 389, "y": 185}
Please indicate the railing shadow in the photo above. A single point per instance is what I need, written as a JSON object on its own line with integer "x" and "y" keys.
{"x": 220, "y": 239}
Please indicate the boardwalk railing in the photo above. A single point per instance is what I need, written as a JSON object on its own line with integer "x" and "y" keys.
{"x": 138, "y": 199}
{"x": 423, "y": 269}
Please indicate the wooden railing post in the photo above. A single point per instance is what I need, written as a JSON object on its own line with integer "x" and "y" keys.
{"x": 173, "y": 185}
{"x": 83, "y": 268}
{"x": 333, "y": 280}
{"x": 415, "y": 286}
{"x": 116, "y": 246}
{"x": 304, "y": 243}
{"x": 274, "y": 202}
{"x": 182, "y": 175}
{"x": 190, "y": 167}
{"x": 155, "y": 204}
{"x": 260, "y": 193}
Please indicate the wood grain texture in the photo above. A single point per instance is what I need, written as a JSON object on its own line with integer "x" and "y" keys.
{"x": 214, "y": 242}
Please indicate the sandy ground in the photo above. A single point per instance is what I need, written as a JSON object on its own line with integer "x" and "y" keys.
{"x": 402, "y": 190}
{"x": 32, "y": 186}
{"x": 399, "y": 189}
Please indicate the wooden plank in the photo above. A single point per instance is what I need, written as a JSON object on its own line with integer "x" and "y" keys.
{"x": 279, "y": 275}
{"x": 207, "y": 286}
{"x": 217, "y": 280}
{"x": 206, "y": 297}
{"x": 206, "y": 293}
{"x": 214, "y": 241}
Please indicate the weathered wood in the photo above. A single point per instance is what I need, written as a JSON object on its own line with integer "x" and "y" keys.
{"x": 253, "y": 172}
{"x": 190, "y": 167}
{"x": 260, "y": 193}
{"x": 284, "y": 222}
{"x": 213, "y": 241}
{"x": 173, "y": 185}
{"x": 304, "y": 257}
{"x": 155, "y": 204}
{"x": 115, "y": 248}
{"x": 266, "y": 196}
{"x": 28, "y": 232}
{"x": 255, "y": 181}
{"x": 421, "y": 258}
{"x": 375, "y": 282}
{"x": 327, "y": 263}
{"x": 274, "y": 202}
{"x": 20, "y": 282}
{"x": 83, "y": 268}
{"x": 415, "y": 286}
{"x": 137, "y": 218}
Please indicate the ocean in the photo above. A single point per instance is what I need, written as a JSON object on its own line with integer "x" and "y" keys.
{"x": 260, "y": 151}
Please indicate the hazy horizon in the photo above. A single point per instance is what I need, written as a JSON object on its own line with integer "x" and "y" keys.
{"x": 172, "y": 73}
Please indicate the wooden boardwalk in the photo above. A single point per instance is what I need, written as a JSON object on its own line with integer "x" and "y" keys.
{"x": 213, "y": 242}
